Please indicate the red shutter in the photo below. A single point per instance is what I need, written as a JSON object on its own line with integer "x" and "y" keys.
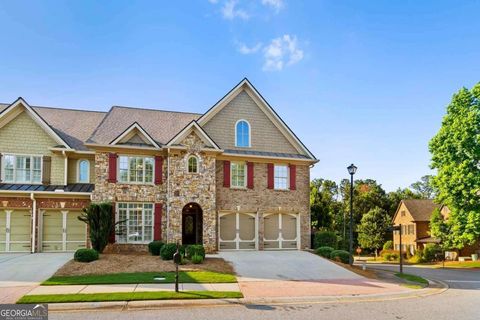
{"x": 157, "y": 226}
{"x": 158, "y": 170}
{"x": 226, "y": 174}
{"x": 250, "y": 175}
{"x": 111, "y": 237}
{"x": 112, "y": 167}
{"x": 270, "y": 176}
{"x": 293, "y": 177}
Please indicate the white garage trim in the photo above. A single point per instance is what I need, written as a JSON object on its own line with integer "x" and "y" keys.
{"x": 281, "y": 239}
{"x": 238, "y": 241}
{"x": 7, "y": 240}
{"x": 63, "y": 230}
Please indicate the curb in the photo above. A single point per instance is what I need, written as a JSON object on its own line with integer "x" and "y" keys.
{"x": 161, "y": 304}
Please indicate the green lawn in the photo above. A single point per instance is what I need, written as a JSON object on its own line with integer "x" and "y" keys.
{"x": 418, "y": 282}
{"x": 128, "y": 296}
{"x": 143, "y": 277}
{"x": 463, "y": 265}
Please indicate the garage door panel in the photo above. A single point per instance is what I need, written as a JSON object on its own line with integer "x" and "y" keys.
{"x": 271, "y": 244}
{"x": 228, "y": 245}
{"x": 20, "y": 226}
{"x": 76, "y": 229}
{"x": 53, "y": 226}
{"x": 272, "y": 227}
{"x": 250, "y": 245}
{"x": 228, "y": 227}
{"x": 74, "y": 246}
{"x": 289, "y": 227}
{"x": 246, "y": 227}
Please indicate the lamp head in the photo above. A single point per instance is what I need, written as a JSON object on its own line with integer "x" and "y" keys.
{"x": 352, "y": 169}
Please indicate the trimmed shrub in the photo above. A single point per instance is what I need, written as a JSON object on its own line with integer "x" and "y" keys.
{"x": 325, "y": 252}
{"x": 388, "y": 245}
{"x": 195, "y": 249}
{"x": 325, "y": 239}
{"x": 85, "y": 255}
{"x": 390, "y": 255}
{"x": 197, "y": 259}
{"x": 154, "y": 247}
{"x": 417, "y": 257}
{"x": 167, "y": 251}
{"x": 341, "y": 256}
{"x": 430, "y": 252}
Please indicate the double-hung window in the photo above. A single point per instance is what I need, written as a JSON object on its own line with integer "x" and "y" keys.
{"x": 281, "y": 177}
{"x": 238, "y": 175}
{"x": 22, "y": 169}
{"x": 135, "y": 169}
{"x": 135, "y": 222}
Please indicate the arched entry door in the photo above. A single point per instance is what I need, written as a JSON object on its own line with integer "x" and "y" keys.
{"x": 192, "y": 224}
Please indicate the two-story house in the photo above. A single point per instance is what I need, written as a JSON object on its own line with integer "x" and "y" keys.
{"x": 233, "y": 178}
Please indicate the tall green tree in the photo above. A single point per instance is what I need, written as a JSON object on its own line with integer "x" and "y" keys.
{"x": 424, "y": 187}
{"x": 373, "y": 229}
{"x": 324, "y": 205}
{"x": 455, "y": 151}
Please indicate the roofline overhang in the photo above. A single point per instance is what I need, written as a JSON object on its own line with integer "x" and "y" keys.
{"x": 110, "y": 146}
{"x": 236, "y": 155}
{"x": 133, "y": 126}
{"x": 72, "y": 150}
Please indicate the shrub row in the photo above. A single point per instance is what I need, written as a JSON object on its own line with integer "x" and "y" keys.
{"x": 330, "y": 253}
{"x": 194, "y": 252}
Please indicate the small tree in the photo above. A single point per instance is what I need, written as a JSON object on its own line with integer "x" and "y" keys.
{"x": 98, "y": 217}
{"x": 373, "y": 229}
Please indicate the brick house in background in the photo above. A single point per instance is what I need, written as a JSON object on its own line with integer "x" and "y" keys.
{"x": 235, "y": 177}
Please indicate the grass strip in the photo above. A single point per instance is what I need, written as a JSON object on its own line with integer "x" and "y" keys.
{"x": 128, "y": 296}
{"x": 412, "y": 278}
{"x": 143, "y": 277}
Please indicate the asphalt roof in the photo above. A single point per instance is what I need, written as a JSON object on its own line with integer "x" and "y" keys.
{"x": 420, "y": 209}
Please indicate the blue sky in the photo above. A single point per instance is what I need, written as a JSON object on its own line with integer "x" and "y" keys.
{"x": 358, "y": 81}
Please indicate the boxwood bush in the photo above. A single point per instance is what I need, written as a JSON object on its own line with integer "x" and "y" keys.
{"x": 388, "y": 245}
{"x": 195, "y": 249}
{"x": 85, "y": 255}
{"x": 341, "y": 256}
{"x": 167, "y": 251}
{"x": 154, "y": 247}
{"x": 325, "y": 239}
{"x": 325, "y": 252}
{"x": 197, "y": 259}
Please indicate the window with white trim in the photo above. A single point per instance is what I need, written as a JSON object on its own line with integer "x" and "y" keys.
{"x": 135, "y": 222}
{"x": 135, "y": 169}
{"x": 238, "y": 175}
{"x": 83, "y": 171}
{"x": 22, "y": 169}
{"x": 192, "y": 164}
{"x": 242, "y": 133}
{"x": 280, "y": 177}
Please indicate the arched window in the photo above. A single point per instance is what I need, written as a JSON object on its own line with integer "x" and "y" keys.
{"x": 192, "y": 164}
{"x": 242, "y": 133}
{"x": 83, "y": 171}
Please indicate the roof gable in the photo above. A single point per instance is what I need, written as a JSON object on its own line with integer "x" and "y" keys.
{"x": 20, "y": 105}
{"x": 419, "y": 209}
{"x": 193, "y": 127}
{"x": 246, "y": 86}
{"x": 135, "y": 134}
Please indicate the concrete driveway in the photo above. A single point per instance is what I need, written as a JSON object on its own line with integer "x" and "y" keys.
{"x": 284, "y": 265}
{"x": 20, "y": 272}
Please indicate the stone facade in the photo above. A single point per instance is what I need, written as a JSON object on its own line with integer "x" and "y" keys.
{"x": 262, "y": 200}
{"x": 187, "y": 187}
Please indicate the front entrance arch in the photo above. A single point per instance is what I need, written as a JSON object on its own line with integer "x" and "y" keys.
{"x": 192, "y": 224}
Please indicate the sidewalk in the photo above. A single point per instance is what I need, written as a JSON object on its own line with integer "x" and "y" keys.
{"x": 140, "y": 287}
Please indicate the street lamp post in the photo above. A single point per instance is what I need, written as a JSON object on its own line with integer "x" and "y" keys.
{"x": 351, "y": 169}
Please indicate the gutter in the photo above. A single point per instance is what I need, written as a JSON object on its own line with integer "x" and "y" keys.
{"x": 34, "y": 221}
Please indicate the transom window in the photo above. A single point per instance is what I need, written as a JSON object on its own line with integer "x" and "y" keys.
{"x": 281, "y": 177}
{"x": 22, "y": 169}
{"x": 242, "y": 133}
{"x": 135, "y": 222}
{"x": 238, "y": 174}
{"x": 83, "y": 171}
{"x": 193, "y": 164}
{"x": 135, "y": 169}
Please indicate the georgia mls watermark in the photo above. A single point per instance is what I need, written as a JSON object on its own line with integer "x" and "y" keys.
{"x": 23, "y": 311}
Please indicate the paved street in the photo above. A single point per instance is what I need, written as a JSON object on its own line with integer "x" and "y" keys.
{"x": 459, "y": 302}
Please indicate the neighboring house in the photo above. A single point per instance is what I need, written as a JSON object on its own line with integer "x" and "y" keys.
{"x": 235, "y": 177}
{"x": 414, "y": 216}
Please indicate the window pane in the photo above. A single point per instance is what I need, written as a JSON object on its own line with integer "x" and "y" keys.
{"x": 238, "y": 173}
{"x": 83, "y": 174}
{"x": 281, "y": 177}
{"x": 242, "y": 134}
{"x": 193, "y": 164}
{"x": 148, "y": 170}
{"x": 123, "y": 169}
{"x": 9, "y": 168}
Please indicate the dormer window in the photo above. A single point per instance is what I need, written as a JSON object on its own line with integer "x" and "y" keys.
{"x": 242, "y": 133}
{"x": 192, "y": 164}
{"x": 83, "y": 171}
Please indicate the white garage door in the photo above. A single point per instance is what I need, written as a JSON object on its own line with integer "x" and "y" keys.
{"x": 281, "y": 231}
{"x": 237, "y": 231}
{"x": 62, "y": 231}
{"x": 15, "y": 230}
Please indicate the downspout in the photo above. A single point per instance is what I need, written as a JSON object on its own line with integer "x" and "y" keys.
{"x": 168, "y": 193}
{"x": 34, "y": 221}
{"x": 65, "y": 176}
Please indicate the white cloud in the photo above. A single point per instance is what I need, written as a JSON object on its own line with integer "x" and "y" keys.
{"x": 244, "y": 49}
{"x": 230, "y": 11}
{"x": 277, "y": 5}
{"x": 281, "y": 52}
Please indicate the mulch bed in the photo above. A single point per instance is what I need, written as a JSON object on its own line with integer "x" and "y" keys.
{"x": 139, "y": 262}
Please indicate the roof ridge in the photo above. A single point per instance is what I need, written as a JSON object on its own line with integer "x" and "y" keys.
{"x": 89, "y": 139}
{"x": 67, "y": 109}
{"x": 157, "y": 110}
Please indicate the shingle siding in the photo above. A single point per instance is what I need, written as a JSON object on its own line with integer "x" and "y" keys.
{"x": 264, "y": 135}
